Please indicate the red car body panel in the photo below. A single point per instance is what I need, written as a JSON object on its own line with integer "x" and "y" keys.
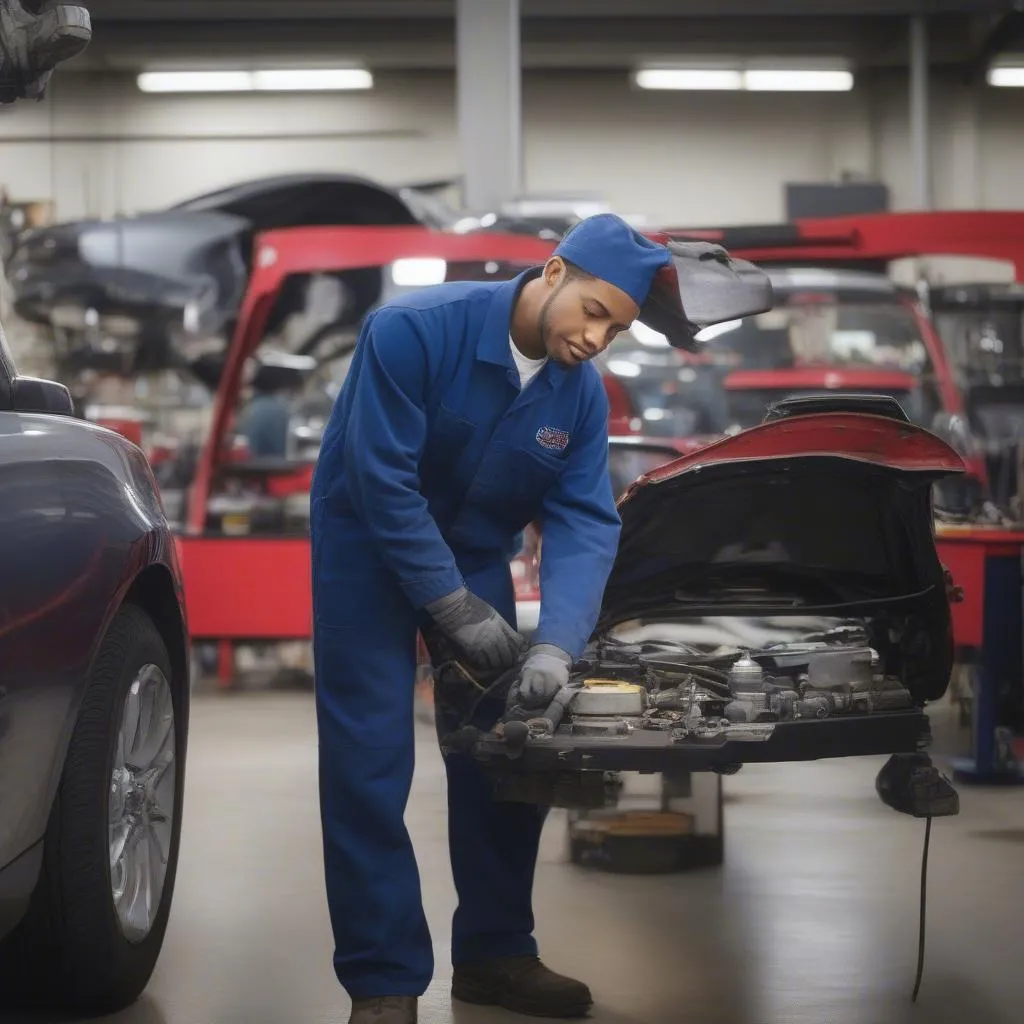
{"x": 876, "y": 439}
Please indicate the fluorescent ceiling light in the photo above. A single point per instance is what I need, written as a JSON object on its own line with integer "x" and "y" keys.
{"x": 301, "y": 79}
{"x": 779, "y": 80}
{"x": 271, "y": 80}
{"x": 195, "y": 81}
{"x": 737, "y": 79}
{"x": 711, "y": 79}
{"x": 419, "y": 273}
{"x": 1006, "y": 77}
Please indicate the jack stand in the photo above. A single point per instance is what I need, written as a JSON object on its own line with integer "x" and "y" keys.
{"x": 677, "y": 826}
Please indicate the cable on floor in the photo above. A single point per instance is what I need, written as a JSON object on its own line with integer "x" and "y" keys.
{"x": 924, "y": 901}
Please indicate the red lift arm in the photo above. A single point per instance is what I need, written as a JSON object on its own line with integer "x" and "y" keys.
{"x": 875, "y": 238}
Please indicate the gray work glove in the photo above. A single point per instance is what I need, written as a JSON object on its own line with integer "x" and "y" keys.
{"x": 545, "y": 672}
{"x": 476, "y": 628}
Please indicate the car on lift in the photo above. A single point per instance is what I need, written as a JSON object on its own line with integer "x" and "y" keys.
{"x": 94, "y": 707}
{"x": 158, "y": 282}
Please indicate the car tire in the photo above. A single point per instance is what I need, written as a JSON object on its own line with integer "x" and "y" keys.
{"x": 71, "y": 952}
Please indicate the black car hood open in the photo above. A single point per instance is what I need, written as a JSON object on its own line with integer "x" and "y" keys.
{"x": 824, "y": 514}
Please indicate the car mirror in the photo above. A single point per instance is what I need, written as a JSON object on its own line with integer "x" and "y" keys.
{"x": 704, "y": 286}
{"x": 32, "y": 394}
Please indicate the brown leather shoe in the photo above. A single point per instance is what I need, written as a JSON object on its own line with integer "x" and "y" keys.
{"x": 521, "y": 984}
{"x": 384, "y": 1010}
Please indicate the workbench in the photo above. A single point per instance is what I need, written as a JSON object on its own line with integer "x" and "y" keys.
{"x": 988, "y": 564}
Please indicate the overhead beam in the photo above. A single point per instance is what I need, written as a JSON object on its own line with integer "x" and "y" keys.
{"x": 343, "y": 10}
{"x": 429, "y": 44}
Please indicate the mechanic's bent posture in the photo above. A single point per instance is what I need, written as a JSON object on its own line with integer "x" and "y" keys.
{"x": 469, "y": 411}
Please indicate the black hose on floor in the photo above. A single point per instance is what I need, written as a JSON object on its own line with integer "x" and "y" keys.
{"x": 924, "y": 901}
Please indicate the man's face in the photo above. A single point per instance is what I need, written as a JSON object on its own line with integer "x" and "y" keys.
{"x": 581, "y": 317}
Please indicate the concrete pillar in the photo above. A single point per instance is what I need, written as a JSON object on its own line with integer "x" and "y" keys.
{"x": 919, "y": 114}
{"x": 963, "y": 152}
{"x": 489, "y": 100}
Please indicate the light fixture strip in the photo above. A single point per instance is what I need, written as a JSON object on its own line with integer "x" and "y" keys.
{"x": 736, "y": 79}
{"x": 269, "y": 80}
{"x": 1006, "y": 77}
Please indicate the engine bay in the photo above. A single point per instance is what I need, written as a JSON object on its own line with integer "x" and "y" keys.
{"x": 701, "y": 696}
{"x": 675, "y": 687}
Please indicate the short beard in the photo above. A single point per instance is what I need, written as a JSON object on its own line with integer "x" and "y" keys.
{"x": 544, "y": 319}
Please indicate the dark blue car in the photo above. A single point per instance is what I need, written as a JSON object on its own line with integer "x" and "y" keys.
{"x": 94, "y": 665}
{"x": 94, "y": 702}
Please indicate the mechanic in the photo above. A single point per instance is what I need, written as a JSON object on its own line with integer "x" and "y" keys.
{"x": 469, "y": 411}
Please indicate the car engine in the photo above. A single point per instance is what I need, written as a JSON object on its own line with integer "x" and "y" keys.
{"x": 671, "y": 686}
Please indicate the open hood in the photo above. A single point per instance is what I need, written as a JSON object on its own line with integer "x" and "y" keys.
{"x": 823, "y": 513}
{"x": 702, "y": 287}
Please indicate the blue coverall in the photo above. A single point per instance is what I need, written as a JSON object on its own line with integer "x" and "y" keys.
{"x": 432, "y": 464}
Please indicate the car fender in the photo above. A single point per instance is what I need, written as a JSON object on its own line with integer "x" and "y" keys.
{"x": 80, "y": 522}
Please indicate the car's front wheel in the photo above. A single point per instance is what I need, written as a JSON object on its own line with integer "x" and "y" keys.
{"x": 96, "y": 923}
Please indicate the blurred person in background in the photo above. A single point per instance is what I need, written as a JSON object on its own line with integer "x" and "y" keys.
{"x": 264, "y": 422}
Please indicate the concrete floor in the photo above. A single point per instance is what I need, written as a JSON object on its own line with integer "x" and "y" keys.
{"x": 813, "y": 918}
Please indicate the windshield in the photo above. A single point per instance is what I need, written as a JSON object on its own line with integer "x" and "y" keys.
{"x": 808, "y": 344}
{"x": 812, "y": 331}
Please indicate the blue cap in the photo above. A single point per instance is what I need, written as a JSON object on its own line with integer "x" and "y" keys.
{"x": 607, "y": 247}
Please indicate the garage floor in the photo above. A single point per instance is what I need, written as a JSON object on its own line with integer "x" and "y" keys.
{"x": 813, "y": 919}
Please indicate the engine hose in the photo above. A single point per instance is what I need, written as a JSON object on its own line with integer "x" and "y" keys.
{"x": 505, "y": 679}
{"x": 556, "y": 709}
{"x": 711, "y": 677}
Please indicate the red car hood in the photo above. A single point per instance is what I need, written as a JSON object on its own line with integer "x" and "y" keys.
{"x": 825, "y": 514}
{"x": 826, "y": 378}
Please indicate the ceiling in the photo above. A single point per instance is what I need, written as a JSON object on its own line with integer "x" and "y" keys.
{"x": 556, "y": 34}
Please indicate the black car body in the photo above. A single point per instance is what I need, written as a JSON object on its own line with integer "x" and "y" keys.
{"x": 93, "y": 655}
{"x": 159, "y": 289}
{"x": 159, "y": 279}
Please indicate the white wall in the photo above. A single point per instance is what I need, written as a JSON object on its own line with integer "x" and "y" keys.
{"x": 685, "y": 158}
{"x": 688, "y": 158}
